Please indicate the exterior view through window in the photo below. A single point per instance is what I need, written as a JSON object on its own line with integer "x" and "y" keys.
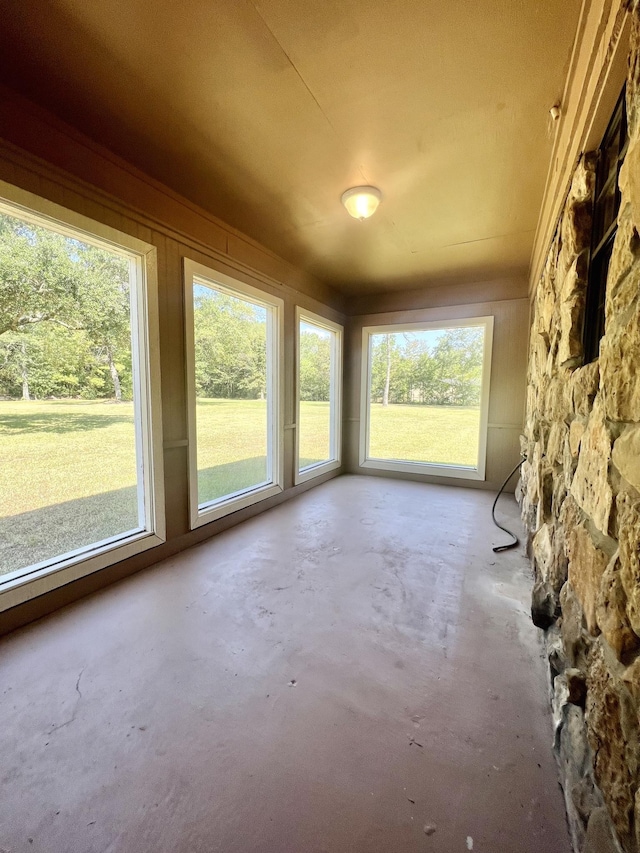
{"x": 233, "y": 335}
{"x": 427, "y": 397}
{"x": 74, "y": 457}
{"x": 319, "y": 369}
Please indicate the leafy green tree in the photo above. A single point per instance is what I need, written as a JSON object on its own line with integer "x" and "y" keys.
{"x": 38, "y": 277}
{"x": 458, "y": 358}
{"x": 230, "y": 346}
{"x": 315, "y": 366}
{"x": 64, "y": 315}
{"x": 104, "y": 312}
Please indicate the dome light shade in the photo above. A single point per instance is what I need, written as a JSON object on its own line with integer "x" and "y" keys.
{"x": 361, "y": 202}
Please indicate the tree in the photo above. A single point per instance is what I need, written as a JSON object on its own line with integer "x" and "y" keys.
{"x": 39, "y": 279}
{"x": 458, "y": 357}
{"x": 387, "y": 376}
{"x": 315, "y": 366}
{"x": 103, "y": 308}
{"x": 64, "y": 314}
{"x": 230, "y": 346}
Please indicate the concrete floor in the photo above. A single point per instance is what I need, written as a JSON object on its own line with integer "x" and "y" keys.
{"x": 352, "y": 672}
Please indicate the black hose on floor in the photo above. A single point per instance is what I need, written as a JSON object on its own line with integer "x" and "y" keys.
{"x": 500, "y": 548}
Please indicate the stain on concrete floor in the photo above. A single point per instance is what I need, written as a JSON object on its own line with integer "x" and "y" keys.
{"x": 352, "y": 672}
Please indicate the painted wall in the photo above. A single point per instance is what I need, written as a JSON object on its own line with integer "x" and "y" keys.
{"x": 82, "y": 177}
{"x": 508, "y": 374}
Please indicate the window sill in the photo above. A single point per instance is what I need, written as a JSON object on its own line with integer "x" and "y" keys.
{"x": 22, "y": 585}
{"x": 458, "y": 472}
{"x": 316, "y": 470}
{"x": 212, "y": 512}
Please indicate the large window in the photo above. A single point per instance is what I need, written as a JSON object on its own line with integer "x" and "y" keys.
{"x": 606, "y": 205}
{"x": 80, "y": 475}
{"x": 425, "y": 397}
{"x": 319, "y": 385}
{"x": 233, "y": 364}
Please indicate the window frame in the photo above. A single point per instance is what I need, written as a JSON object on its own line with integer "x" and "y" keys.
{"x": 302, "y": 475}
{"x": 428, "y": 468}
{"x": 225, "y": 283}
{"x": 29, "y": 582}
{"x": 601, "y": 246}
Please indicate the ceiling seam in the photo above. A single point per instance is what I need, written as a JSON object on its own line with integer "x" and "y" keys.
{"x": 493, "y": 237}
{"x": 295, "y": 68}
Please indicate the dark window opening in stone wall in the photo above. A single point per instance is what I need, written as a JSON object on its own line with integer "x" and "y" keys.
{"x": 605, "y": 222}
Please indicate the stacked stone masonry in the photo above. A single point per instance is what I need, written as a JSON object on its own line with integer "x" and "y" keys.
{"x": 580, "y": 499}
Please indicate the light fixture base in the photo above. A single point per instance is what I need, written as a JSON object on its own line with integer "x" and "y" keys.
{"x": 361, "y": 202}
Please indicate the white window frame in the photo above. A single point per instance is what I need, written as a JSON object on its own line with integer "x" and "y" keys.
{"x": 212, "y": 510}
{"x": 462, "y": 472}
{"x": 335, "y": 398}
{"x": 23, "y": 584}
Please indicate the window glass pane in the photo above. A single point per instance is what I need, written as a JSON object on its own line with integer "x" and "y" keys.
{"x": 316, "y": 354}
{"x": 69, "y": 448}
{"x": 606, "y": 211}
{"x": 425, "y": 394}
{"x": 232, "y": 393}
{"x": 610, "y": 149}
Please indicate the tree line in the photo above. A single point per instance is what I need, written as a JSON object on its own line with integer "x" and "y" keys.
{"x": 65, "y": 331}
{"x": 65, "y": 326}
{"x": 230, "y": 342}
{"x": 405, "y": 368}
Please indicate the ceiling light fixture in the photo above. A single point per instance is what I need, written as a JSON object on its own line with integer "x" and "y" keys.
{"x": 361, "y": 202}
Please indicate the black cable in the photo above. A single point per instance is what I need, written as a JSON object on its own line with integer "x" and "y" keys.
{"x": 499, "y": 548}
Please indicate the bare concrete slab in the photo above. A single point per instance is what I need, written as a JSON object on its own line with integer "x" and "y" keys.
{"x": 352, "y": 672}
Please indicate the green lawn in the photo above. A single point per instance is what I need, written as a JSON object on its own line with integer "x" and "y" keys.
{"x": 313, "y": 427}
{"x": 67, "y": 468}
{"x": 442, "y": 434}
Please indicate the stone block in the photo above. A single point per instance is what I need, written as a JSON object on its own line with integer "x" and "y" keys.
{"x": 569, "y": 465}
{"x": 557, "y": 402}
{"x": 600, "y": 837}
{"x": 583, "y": 387}
{"x": 557, "y": 501}
{"x": 631, "y": 678}
{"x": 611, "y": 612}
{"x": 590, "y": 486}
{"x": 576, "y": 431}
{"x": 633, "y": 78}
{"x": 575, "y": 230}
{"x": 587, "y": 564}
{"x": 583, "y": 180}
{"x": 545, "y": 307}
{"x": 629, "y": 544}
{"x": 612, "y": 727}
{"x": 630, "y": 180}
{"x": 575, "y": 753}
{"x": 554, "y": 646}
{"x": 623, "y": 278}
{"x": 572, "y": 302}
{"x": 555, "y": 443}
{"x": 575, "y": 641}
{"x": 570, "y": 517}
{"x": 619, "y": 376}
{"x": 626, "y": 455}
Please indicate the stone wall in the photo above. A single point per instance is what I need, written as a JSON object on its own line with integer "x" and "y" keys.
{"x": 580, "y": 500}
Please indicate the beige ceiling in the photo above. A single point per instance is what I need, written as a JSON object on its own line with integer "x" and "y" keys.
{"x": 264, "y": 112}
